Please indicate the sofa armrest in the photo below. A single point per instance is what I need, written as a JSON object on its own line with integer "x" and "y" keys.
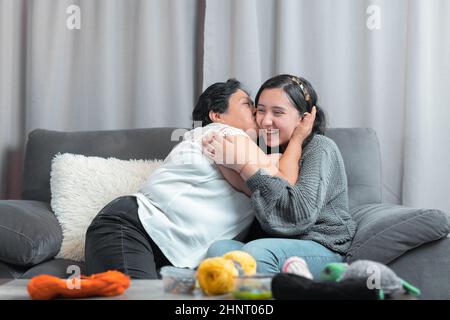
{"x": 386, "y": 231}
{"x": 29, "y": 232}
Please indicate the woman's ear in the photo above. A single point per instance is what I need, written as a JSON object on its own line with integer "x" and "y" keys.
{"x": 215, "y": 116}
{"x": 300, "y": 119}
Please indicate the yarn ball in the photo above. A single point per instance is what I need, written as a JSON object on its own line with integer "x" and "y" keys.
{"x": 244, "y": 261}
{"x": 380, "y": 275}
{"x": 298, "y": 266}
{"x": 109, "y": 283}
{"x": 216, "y": 275}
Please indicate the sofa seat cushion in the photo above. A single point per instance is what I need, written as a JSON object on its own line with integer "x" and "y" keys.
{"x": 426, "y": 267}
{"x": 8, "y": 271}
{"x": 61, "y": 268}
{"x": 29, "y": 232}
{"x": 386, "y": 231}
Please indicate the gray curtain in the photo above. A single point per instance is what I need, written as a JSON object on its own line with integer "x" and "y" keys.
{"x": 137, "y": 63}
{"x": 392, "y": 76}
{"x": 131, "y": 64}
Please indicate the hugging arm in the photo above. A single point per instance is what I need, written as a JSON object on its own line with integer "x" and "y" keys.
{"x": 288, "y": 166}
{"x": 234, "y": 179}
{"x": 244, "y": 157}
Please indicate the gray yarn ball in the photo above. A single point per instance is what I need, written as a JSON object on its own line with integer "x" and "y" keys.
{"x": 388, "y": 280}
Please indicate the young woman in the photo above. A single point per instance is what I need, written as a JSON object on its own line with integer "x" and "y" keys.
{"x": 302, "y": 205}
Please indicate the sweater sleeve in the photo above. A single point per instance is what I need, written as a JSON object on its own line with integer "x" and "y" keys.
{"x": 287, "y": 210}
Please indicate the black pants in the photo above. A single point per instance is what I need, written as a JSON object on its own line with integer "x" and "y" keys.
{"x": 116, "y": 240}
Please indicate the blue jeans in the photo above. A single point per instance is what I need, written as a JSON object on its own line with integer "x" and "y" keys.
{"x": 271, "y": 253}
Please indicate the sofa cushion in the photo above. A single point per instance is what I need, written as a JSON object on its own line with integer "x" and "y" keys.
{"x": 361, "y": 154}
{"x": 426, "y": 267}
{"x": 387, "y": 231}
{"x": 81, "y": 186}
{"x": 29, "y": 232}
{"x": 43, "y": 145}
{"x": 60, "y": 268}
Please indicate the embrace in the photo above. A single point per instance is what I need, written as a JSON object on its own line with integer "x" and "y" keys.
{"x": 231, "y": 195}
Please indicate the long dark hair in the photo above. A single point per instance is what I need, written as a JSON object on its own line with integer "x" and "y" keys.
{"x": 302, "y": 95}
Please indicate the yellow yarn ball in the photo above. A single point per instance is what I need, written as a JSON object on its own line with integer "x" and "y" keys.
{"x": 216, "y": 275}
{"x": 246, "y": 261}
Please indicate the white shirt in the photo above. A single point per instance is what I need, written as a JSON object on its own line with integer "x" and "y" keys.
{"x": 186, "y": 204}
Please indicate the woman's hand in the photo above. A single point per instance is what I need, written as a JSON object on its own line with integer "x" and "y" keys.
{"x": 234, "y": 152}
{"x": 304, "y": 128}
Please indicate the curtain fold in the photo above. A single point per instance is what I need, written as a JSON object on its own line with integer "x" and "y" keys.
{"x": 230, "y": 45}
{"x": 132, "y": 64}
{"x": 390, "y": 78}
{"x": 426, "y": 179}
{"x": 13, "y": 26}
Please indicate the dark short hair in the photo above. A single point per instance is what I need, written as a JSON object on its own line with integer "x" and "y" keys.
{"x": 215, "y": 98}
{"x": 302, "y": 99}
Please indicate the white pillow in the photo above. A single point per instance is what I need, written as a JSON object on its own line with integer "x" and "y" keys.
{"x": 81, "y": 186}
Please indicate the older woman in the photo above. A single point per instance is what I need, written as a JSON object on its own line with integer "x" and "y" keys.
{"x": 184, "y": 206}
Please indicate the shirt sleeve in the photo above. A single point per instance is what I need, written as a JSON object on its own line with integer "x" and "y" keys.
{"x": 287, "y": 210}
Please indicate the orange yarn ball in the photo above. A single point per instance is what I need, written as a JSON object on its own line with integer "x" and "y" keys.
{"x": 110, "y": 283}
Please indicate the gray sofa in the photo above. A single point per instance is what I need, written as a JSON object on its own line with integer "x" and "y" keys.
{"x": 413, "y": 242}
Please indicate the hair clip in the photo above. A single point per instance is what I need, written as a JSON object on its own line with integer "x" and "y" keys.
{"x": 296, "y": 80}
{"x": 305, "y": 92}
{"x": 307, "y": 96}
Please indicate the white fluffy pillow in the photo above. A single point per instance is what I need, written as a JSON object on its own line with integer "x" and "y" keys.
{"x": 81, "y": 186}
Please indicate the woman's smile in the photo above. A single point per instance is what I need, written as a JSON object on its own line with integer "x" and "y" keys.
{"x": 276, "y": 116}
{"x": 271, "y": 133}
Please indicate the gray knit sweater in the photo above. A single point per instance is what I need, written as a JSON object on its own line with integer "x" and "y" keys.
{"x": 316, "y": 207}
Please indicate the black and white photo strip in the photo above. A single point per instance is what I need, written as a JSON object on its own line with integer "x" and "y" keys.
{"x": 225, "y": 158}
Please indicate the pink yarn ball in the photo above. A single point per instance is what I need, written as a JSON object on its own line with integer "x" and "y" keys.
{"x": 297, "y": 265}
